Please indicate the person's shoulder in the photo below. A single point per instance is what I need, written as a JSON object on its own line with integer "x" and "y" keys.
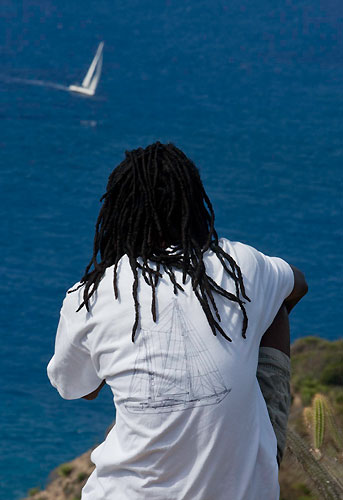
{"x": 237, "y": 249}
{"x": 73, "y": 298}
{"x": 75, "y": 287}
{"x": 248, "y": 258}
{"x": 75, "y": 294}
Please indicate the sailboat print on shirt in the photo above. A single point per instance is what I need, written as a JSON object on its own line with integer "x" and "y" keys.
{"x": 174, "y": 369}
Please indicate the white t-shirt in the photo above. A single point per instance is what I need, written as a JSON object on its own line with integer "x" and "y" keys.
{"x": 191, "y": 421}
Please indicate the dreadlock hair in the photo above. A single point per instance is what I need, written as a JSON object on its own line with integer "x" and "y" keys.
{"x": 156, "y": 209}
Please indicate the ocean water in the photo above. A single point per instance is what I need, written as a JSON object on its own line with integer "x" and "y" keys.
{"x": 251, "y": 91}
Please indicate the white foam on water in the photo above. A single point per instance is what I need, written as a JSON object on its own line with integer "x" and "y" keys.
{"x": 38, "y": 83}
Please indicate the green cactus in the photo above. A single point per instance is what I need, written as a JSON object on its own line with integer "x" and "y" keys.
{"x": 308, "y": 417}
{"x": 319, "y": 419}
{"x": 318, "y": 411}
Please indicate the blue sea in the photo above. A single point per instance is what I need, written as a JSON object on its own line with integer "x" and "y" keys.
{"x": 251, "y": 91}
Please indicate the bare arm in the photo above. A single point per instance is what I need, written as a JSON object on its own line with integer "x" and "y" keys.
{"x": 277, "y": 335}
{"x": 299, "y": 290}
{"x": 94, "y": 394}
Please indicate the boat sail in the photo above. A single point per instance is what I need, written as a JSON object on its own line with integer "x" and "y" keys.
{"x": 174, "y": 369}
{"x": 91, "y": 80}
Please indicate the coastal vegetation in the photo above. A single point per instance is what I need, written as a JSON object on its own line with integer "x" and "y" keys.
{"x": 312, "y": 467}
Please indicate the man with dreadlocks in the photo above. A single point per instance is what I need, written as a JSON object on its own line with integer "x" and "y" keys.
{"x": 173, "y": 318}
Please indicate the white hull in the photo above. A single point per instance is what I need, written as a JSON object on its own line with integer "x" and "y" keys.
{"x": 81, "y": 90}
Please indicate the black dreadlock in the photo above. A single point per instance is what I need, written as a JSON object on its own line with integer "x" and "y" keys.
{"x": 155, "y": 200}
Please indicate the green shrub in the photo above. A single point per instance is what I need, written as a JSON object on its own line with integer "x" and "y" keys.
{"x": 65, "y": 470}
{"x": 333, "y": 374}
{"x": 308, "y": 388}
{"x": 33, "y": 491}
{"x": 82, "y": 476}
{"x": 303, "y": 492}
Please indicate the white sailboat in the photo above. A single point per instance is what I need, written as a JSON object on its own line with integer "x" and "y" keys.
{"x": 91, "y": 80}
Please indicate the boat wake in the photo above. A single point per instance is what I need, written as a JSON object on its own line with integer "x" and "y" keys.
{"x": 37, "y": 83}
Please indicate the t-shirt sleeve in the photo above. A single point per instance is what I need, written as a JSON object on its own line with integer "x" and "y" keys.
{"x": 71, "y": 370}
{"x": 274, "y": 282}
